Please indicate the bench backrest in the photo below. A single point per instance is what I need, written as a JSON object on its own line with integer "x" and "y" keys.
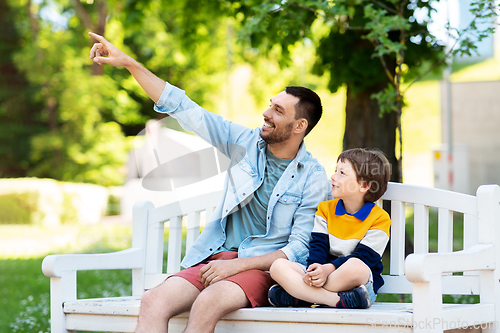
{"x": 422, "y": 201}
{"x": 404, "y": 198}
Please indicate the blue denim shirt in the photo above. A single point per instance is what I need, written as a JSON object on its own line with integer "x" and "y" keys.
{"x": 290, "y": 214}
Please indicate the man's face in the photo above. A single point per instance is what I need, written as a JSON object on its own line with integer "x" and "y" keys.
{"x": 279, "y": 119}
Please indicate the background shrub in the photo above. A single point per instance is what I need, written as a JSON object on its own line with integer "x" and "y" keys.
{"x": 18, "y": 208}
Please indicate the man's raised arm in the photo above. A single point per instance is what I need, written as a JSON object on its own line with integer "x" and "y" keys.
{"x": 106, "y": 53}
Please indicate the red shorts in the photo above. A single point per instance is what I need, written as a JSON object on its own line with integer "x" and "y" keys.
{"x": 255, "y": 283}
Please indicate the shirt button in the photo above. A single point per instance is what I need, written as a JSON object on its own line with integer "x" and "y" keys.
{"x": 243, "y": 193}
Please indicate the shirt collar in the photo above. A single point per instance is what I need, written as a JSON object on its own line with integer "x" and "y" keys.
{"x": 301, "y": 154}
{"x": 361, "y": 214}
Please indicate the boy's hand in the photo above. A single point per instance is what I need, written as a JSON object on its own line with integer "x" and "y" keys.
{"x": 106, "y": 53}
{"x": 317, "y": 274}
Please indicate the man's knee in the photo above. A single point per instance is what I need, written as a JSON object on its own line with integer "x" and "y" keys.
{"x": 170, "y": 289}
{"x": 209, "y": 297}
{"x": 149, "y": 298}
{"x": 221, "y": 295}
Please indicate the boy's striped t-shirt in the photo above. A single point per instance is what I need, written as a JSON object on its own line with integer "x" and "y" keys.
{"x": 338, "y": 236}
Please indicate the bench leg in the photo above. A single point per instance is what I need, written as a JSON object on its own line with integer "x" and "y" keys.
{"x": 61, "y": 289}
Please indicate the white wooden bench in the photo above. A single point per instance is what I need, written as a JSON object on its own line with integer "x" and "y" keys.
{"x": 426, "y": 276}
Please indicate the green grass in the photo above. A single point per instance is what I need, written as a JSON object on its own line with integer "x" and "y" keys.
{"x": 21, "y": 285}
{"x": 24, "y": 290}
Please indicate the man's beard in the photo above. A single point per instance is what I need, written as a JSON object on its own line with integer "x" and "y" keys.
{"x": 278, "y": 136}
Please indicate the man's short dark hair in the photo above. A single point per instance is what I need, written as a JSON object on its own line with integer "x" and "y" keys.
{"x": 308, "y": 106}
{"x": 371, "y": 167}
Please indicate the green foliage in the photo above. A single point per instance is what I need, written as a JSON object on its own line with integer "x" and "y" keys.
{"x": 364, "y": 43}
{"x": 71, "y": 120}
{"x": 485, "y": 11}
{"x": 113, "y": 207}
{"x": 387, "y": 99}
{"x": 18, "y": 120}
{"x": 369, "y": 46}
{"x": 18, "y": 208}
{"x": 379, "y": 25}
{"x": 69, "y": 213}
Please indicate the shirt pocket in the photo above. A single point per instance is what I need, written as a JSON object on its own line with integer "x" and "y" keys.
{"x": 285, "y": 210}
{"x": 241, "y": 173}
{"x": 246, "y": 166}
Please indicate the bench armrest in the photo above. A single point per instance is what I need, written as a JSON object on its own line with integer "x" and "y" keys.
{"x": 420, "y": 267}
{"x": 54, "y": 265}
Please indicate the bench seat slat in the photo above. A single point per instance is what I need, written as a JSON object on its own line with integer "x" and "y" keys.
{"x": 398, "y": 316}
{"x": 451, "y": 284}
{"x": 101, "y": 323}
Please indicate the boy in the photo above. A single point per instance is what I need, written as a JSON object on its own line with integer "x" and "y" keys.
{"x": 348, "y": 239}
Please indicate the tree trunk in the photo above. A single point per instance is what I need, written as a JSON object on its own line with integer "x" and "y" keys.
{"x": 365, "y": 129}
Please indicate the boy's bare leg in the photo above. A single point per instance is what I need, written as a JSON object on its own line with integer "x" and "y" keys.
{"x": 158, "y": 305}
{"x": 350, "y": 275}
{"x": 213, "y": 303}
{"x": 290, "y": 276}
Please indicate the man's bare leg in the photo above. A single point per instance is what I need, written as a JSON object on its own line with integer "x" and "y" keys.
{"x": 158, "y": 305}
{"x": 213, "y": 303}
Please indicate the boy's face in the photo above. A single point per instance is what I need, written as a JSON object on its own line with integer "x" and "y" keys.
{"x": 344, "y": 182}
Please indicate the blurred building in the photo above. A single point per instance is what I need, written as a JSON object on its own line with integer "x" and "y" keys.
{"x": 470, "y": 114}
{"x": 475, "y": 133}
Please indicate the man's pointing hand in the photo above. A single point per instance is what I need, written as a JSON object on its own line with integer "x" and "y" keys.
{"x": 106, "y": 53}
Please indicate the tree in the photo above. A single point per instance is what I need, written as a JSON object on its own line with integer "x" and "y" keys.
{"x": 369, "y": 47}
{"x": 83, "y": 111}
{"x": 17, "y": 119}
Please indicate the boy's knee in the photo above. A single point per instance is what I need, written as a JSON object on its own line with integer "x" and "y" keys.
{"x": 277, "y": 266}
{"x": 358, "y": 268}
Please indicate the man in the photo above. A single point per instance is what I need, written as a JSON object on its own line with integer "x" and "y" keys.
{"x": 266, "y": 212}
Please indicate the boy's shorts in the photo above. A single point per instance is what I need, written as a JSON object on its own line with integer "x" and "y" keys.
{"x": 255, "y": 283}
{"x": 369, "y": 287}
